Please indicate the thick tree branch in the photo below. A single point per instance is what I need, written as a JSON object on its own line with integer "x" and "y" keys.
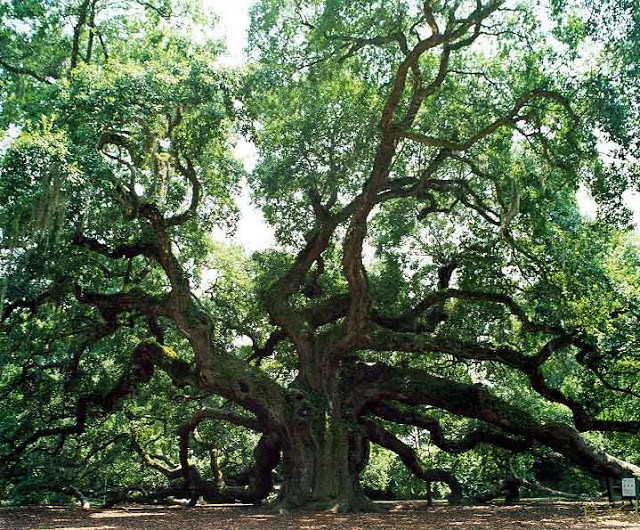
{"x": 510, "y": 119}
{"x": 21, "y": 70}
{"x": 384, "y": 438}
{"x": 32, "y": 304}
{"x": 134, "y": 300}
{"x": 275, "y": 338}
{"x": 241, "y": 420}
{"x": 467, "y": 442}
{"x": 145, "y": 358}
{"x": 127, "y": 251}
{"x": 189, "y": 172}
{"x": 77, "y": 32}
{"x": 407, "y": 320}
{"x": 417, "y": 387}
{"x": 531, "y": 366}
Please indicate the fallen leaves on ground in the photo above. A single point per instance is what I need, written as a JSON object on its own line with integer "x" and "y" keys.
{"x": 403, "y": 516}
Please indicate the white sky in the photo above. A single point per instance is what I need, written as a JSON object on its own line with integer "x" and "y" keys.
{"x": 252, "y": 231}
{"x": 232, "y": 26}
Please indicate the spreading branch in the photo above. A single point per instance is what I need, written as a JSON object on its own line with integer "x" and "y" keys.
{"x": 384, "y": 438}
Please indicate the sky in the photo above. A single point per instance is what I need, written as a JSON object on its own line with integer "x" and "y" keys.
{"x": 252, "y": 231}
{"x": 232, "y": 26}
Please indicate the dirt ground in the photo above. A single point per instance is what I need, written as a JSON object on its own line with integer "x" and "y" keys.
{"x": 408, "y": 516}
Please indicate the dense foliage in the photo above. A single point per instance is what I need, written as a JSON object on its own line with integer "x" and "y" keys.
{"x": 437, "y": 317}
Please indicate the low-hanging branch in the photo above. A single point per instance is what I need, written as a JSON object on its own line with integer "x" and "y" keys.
{"x": 375, "y": 383}
{"x": 261, "y": 471}
{"x": 384, "y": 438}
{"x": 385, "y": 340}
{"x": 266, "y": 458}
{"x": 470, "y": 440}
{"x": 144, "y": 359}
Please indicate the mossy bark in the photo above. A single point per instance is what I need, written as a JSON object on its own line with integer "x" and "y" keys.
{"x": 324, "y": 449}
{"x": 323, "y": 457}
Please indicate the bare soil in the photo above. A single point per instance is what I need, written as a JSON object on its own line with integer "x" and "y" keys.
{"x": 404, "y": 516}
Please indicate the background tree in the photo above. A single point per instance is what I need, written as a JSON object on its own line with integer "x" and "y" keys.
{"x": 419, "y": 161}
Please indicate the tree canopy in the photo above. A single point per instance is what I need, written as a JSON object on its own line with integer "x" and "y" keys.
{"x": 435, "y": 291}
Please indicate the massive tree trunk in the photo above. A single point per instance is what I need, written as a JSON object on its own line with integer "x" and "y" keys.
{"x": 323, "y": 456}
{"x": 324, "y": 450}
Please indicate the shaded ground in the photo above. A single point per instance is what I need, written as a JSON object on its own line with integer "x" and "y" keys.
{"x": 534, "y": 516}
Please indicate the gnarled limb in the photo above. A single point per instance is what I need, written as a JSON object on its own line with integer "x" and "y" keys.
{"x": 509, "y": 486}
{"x": 380, "y": 436}
{"x": 145, "y": 358}
{"x": 129, "y": 250}
{"x": 469, "y": 441}
{"x": 509, "y": 119}
{"x": 32, "y": 304}
{"x": 417, "y": 387}
{"x": 189, "y": 172}
{"x": 21, "y": 70}
{"x": 386, "y": 340}
{"x": 241, "y": 420}
{"x": 189, "y": 473}
{"x": 444, "y": 294}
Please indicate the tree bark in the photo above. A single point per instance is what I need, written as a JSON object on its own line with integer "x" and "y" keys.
{"x": 324, "y": 449}
{"x": 323, "y": 456}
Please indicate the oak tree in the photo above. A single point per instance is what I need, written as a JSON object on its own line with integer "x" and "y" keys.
{"x": 419, "y": 162}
